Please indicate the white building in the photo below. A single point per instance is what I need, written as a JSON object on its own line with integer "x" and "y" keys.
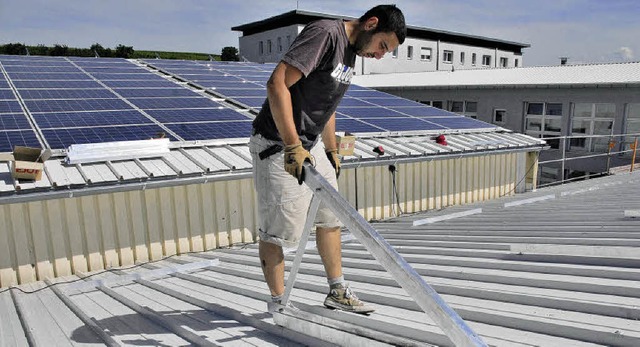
{"x": 424, "y": 49}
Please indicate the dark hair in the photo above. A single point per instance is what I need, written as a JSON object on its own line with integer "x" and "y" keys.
{"x": 390, "y": 19}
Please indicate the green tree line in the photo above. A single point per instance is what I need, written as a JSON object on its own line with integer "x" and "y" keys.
{"x": 120, "y": 51}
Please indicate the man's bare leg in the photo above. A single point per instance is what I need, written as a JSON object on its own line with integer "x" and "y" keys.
{"x": 272, "y": 261}
{"x": 330, "y": 249}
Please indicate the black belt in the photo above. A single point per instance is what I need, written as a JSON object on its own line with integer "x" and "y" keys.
{"x": 269, "y": 151}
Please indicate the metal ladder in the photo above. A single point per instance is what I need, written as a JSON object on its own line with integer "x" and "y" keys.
{"x": 424, "y": 295}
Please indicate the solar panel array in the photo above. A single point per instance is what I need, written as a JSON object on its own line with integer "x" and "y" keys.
{"x": 56, "y": 101}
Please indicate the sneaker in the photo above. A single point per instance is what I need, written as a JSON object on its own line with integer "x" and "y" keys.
{"x": 342, "y": 298}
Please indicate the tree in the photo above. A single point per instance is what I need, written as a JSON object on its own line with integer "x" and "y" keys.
{"x": 97, "y": 48}
{"x": 123, "y": 51}
{"x": 13, "y": 49}
{"x": 229, "y": 53}
{"x": 59, "y": 50}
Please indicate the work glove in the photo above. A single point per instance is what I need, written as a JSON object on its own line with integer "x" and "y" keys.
{"x": 294, "y": 156}
{"x": 332, "y": 154}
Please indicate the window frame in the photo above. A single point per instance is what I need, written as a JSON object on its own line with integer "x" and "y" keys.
{"x": 487, "y": 58}
{"x": 409, "y": 52}
{"x": 429, "y": 56}
{"x": 446, "y": 53}
{"x": 504, "y": 116}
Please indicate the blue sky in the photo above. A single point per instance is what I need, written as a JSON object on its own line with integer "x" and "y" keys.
{"x": 584, "y": 30}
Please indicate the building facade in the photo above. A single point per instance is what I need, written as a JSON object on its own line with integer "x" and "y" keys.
{"x": 579, "y": 109}
{"x": 424, "y": 49}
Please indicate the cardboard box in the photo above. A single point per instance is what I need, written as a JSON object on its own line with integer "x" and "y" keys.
{"x": 28, "y": 162}
{"x": 346, "y": 143}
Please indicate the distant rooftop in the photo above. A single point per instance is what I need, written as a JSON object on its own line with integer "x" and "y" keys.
{"x": 304, "y": 17}
{"x": 606, "y": 74}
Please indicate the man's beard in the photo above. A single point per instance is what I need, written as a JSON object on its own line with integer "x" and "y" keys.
{"x": 362, "y": 41}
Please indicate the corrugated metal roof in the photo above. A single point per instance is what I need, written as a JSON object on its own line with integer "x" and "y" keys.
{"x": 556, "y": 267}
{"x": 208, "y": 160}
{"x": 565, "y": 75}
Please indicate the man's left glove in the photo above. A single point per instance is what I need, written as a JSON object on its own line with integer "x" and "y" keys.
{"x": 294, "y": 156}
{"x": 332, "y": 154}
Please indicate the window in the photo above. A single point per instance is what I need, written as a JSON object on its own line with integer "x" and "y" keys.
{"x": 394, "y": 54}
{"x": 467, "y": 108}
{"x": 504, "y": 62}
{"x": 461, "y": 58}
{"x": 425, "y": 54}
{"x": 544, "y": 120}
{"x": 473, "y": 59}
{"x": 279, "y": 44}
{"x": 517, "y": 63}
{"x": 592, "y": 119}
{"x": 632, "y": 123}
{"x": 486, "y": 60}
{"x": 409, "y": 52}
{"x": 268, "y": 46}
{"x": 499, "y": 116}
{"x": 447, "y": 57}
{"x": 261, "y": 48}
{"x": 288, "y": 41}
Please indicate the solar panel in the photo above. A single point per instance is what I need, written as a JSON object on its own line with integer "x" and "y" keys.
{"x": 368, "y": 112}
{"x": 233, "y": 92}
{"x": 3, "y": 84}
{"x": 89, "y": 119}
{"x": 14, "y": 121}
{"x": 403, "y": 124}
{"x": 40, "y": 69}
{"x": 62, "y": 138}
{"x": 154, "y": 92}
{"x": 6, "y": 94}
{"x": 56, "y": 84}
{"x": 10, "y": 106}
{"x": 126, "y": 76}
{"x": 355, "y": 126}
{"x": 16, "y": 76}
{"x": 75, "y": 105}
{"x": 160, "y": 103}
{"x": 196, "y": 115}
{"x": 385, "y": 102}
{"x": 10, "y": 139}
{"x": 251, "y": 102}
{"x": 460, "y": 123}
{"x": 33, "y": 94}
{"x": 213, "y": 130}
{"x": 140, "y": 84}
{"x": 347, "y": 101}
{"x": 424, "y": 111}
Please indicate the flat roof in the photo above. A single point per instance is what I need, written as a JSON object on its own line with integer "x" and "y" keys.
{"x": 609, "y": 74}
{"x": 304, "y": 17}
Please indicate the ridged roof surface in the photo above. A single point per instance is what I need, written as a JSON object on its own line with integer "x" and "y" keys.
{"x": 555, "y": 267}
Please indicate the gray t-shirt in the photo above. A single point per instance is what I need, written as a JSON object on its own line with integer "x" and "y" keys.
{"x": 323, "y": 55}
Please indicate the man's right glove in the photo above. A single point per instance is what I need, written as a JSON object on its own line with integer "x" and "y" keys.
{"x": 332, "y": 154}
{"x": 294, "y": 156}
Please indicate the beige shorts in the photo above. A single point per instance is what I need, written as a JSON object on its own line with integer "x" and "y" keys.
{"x": 283, "y": 204}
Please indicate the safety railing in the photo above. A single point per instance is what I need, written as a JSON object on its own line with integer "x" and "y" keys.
{"x": 603, "y": 151}
{"x": 424, "y": 295}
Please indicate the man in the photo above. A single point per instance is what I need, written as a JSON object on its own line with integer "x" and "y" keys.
{"x": 303, "y": 93}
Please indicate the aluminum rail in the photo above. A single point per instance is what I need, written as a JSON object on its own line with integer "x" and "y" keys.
{"x": 425, "y": 296}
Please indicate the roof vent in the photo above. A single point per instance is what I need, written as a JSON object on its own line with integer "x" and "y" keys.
{"x": 563, "y": 60}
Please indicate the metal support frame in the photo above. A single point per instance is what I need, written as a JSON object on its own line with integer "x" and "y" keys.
{"x": 424, "y": 295}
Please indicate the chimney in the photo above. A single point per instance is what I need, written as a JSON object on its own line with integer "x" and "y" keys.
{"x": 563, "y": 60}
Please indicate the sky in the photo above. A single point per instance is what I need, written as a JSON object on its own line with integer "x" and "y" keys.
{"x": 585, "y": 31}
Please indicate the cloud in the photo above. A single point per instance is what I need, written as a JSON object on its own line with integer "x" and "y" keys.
{"x": 626, "y": 53}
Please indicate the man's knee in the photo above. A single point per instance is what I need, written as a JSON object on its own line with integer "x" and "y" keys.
{"x": 270, "y": 253}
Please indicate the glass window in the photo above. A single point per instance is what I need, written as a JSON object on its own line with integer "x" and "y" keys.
{"x": 499, "y": 116}
{"x": 504, "y": 62}
{"x": 437, "y": 104}
{"x": 472, "y": 106}
{"x": 447, "y": 57}
{"x": 534, "y": 124}
{"x": 535, "y": 108}
{"x": 582, "y": 110}
{"x": 517, "y": 63}
{"x": 394, "y": 54}
{"x": 425, "y": 53}
{"x": 261, "y": 48}
{"x": 268, "y": 46}
{"x": 288, "y": 41}
{"x": 486, "y": 60}
{"x": 461, "y": 58}
{"x": 554, "y": 110}
{"x": 553, "y": 124}
{"x": 605, "y": 111}
{"x": 409, "y": 52}
{"x": 592, "y": 119}
{"x": 279, "y": 44}
{"x": 473, "y": 59}
{"x": 457, "y": 106}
